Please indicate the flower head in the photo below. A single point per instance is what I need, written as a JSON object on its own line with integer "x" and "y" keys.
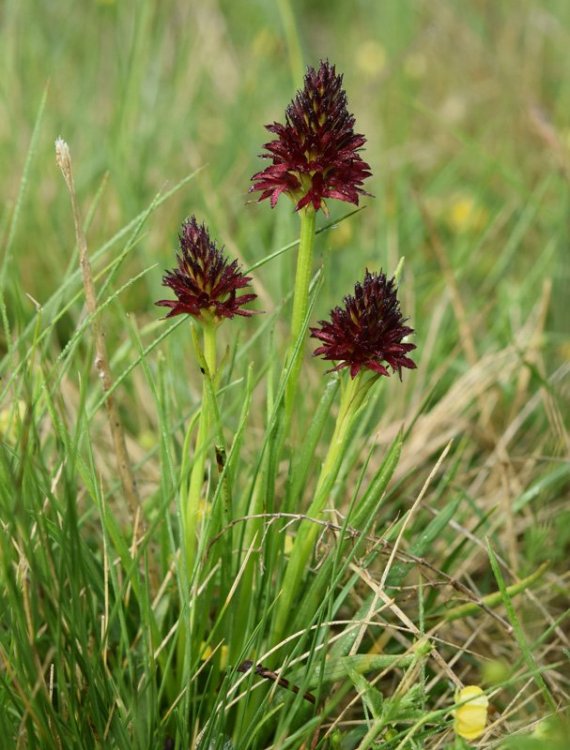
{"x": 368, "y": 330}
{"x": 471, "y": 716}
{"x": 205, "y": 282}
{"x": 315, "y": 155}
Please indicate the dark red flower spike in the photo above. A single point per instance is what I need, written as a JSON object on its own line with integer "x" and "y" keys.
{"x": 315, "y": 155}
{"x": 205, "y": 282}
{"x": 368, "y": 331}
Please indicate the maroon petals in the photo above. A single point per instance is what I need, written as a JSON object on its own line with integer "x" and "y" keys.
{"x": 368, "y": 331}
{"x": 205, "y": 282}
{"x": 315, "y": 155}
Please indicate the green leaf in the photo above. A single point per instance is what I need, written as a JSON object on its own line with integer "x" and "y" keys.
{"x": 367, "y": 507}
{"x": 306, "y": 455}
{"x": 519, "y": 633}
{"x": 371, "y": 696}
{"x": 424, "y": 542}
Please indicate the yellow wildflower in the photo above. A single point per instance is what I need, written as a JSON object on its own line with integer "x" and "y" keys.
{"x": 371, "y": 58}
{"x": 465, "y": 215}
{"x": 206, "y": 653}
{"x": 11, "y": 418}
{"x": 288, "y": 546}
{"x": 203, "y": 510}
{"x": 341, "y": 235}
{"x": 265, "y": 44}
{"x": 471, "y": 716}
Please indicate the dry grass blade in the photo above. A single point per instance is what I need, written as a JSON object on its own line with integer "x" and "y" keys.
{"x": 126, "y": 474}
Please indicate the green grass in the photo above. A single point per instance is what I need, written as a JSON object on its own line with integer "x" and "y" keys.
{"x": 453, "y": 487}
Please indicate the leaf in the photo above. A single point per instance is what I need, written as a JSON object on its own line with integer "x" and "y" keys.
{"x": 426, "y": 539}
{"x": 368, "y": 506}
{"x": 371, "y": 696}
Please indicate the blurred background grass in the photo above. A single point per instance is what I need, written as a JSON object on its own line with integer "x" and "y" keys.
{"x": 465, "y": 106}
{"x": 465, "y": 102}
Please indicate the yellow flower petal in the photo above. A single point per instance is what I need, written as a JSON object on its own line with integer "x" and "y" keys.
{"x": 205, "y": 651}
{"x": 471, "y": 716}
{"x": 465, "y": 215}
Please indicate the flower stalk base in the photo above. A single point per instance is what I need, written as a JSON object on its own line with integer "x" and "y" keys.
{"x": 352, "y": 398}
{"x": 300, "y": 303}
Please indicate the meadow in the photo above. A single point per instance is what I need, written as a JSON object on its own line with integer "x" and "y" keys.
{"x": 208, "y": 539}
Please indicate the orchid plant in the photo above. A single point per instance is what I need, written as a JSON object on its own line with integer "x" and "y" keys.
{"x": 314, "y": 158}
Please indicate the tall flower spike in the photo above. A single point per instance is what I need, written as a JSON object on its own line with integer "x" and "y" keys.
{"x": 315, "y": 155}
{"x": 205, "y": 282}
{"x": 368, "y": 331}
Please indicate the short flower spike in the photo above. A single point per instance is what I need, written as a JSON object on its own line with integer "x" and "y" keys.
{"x": 471, "y": 717}
{"x": 315, "y": 155}
{"x": 205, "y": 282}
{"x": 368, "y": 331}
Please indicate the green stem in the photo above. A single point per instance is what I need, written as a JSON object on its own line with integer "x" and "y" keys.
{"x": 192, "y": 509}
{"x": 266, "y": 478}
{"x": 352, "y": 397}
{"x": 496, "y": 598}
{"x": 304, "y": 268}
{"x": 210, "y": 348}
{"x": 300, "y": 300}
{"x": 331, "y": 465}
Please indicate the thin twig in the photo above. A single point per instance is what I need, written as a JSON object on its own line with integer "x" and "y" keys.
{"x": 268, "y": 674}
{"x": 63, "y": 157}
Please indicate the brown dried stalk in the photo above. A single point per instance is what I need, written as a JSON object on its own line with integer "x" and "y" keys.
{"x": 63, "y": 158}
